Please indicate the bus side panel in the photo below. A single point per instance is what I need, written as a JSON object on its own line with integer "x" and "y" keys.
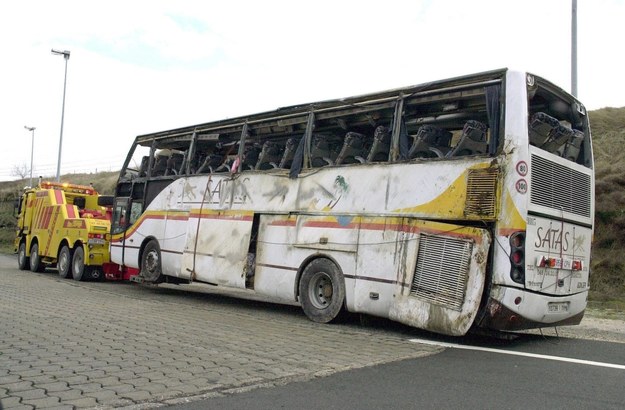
{"x": 277, "y": 262}
{"x": 151, "y": 225}
{"x": 221, "y": 247}
{"x": 386, "y": 258}
{"x": 173, "y": 242}
{"x": 286, "y": 242}
{"x": 176, "y": 224}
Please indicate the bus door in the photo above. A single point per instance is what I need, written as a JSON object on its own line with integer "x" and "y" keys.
{"x": 119, "y": 224}
{"x": 217, "y": 244}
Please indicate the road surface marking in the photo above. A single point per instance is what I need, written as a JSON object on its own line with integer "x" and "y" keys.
{"x": 513, "y": 353}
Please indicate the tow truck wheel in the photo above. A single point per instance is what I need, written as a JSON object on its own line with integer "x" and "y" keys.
{"x": 64, "y": 263}
{"x": 23, "y": 262}
{"x": 78, "y": 264}
{"x": 35, "y": 259}
{"x": 151, "y": 263}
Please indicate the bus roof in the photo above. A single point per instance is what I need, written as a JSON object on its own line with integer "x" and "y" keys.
{"x": 298, "y": 114}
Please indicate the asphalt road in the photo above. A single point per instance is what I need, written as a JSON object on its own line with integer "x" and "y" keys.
{"x": 529, "y": 372}
{"x": 454, "y": 379}
{"x": 67, "y": 344}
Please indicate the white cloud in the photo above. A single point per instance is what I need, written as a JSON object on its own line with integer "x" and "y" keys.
{"x": 143, "y": 66}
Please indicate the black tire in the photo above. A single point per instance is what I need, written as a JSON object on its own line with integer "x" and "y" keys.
{"x": 35, "y": 259}
{"x": 151, "y": 268}
{"x": 23, "y": 261}
{"x": 64, "y": 262}
{"x": 78, "y": 264}
{"x": 322, "y": 291}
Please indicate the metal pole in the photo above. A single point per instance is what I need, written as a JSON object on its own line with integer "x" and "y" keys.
{"x": 574, "y": 49}
{"x": 32, "y": 150}
{"x": 65, "y": 55}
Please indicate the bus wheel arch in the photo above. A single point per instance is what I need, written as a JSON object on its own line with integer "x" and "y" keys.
{"x": 64, "y": 260}
{"x": 321, "y": 289}
{"x": 150, "y": 261}
{"x": 23, "y": 261}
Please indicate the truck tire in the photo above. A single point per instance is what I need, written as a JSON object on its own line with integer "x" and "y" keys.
{"x": 35, "y": 259}
{"x": 23, "y": 261}
{"x": 64, "y": 262}
{"x": 78, "y": 264}
{"x": 322, "y": 291}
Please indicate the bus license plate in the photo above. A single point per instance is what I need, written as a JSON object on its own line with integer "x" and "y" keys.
{"x": 558, "y": 307}
{"x": 96, "y": 241}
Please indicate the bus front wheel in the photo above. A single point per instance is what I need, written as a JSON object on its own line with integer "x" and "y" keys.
{"x": 151, "y": 268}
{"x": 322, "y": 291}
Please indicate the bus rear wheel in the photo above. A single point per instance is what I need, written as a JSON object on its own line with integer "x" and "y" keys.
{"x": 322, "y": 291}
{"x": 151, "y": 268}
{"x": 64, "y": 263}
{"x": 23, "y": 262}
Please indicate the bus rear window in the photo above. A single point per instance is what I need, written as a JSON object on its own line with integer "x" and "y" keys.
{"x": 557, "y": 123}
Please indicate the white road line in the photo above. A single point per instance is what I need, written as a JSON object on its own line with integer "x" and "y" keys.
{"x": 513, "y": 353}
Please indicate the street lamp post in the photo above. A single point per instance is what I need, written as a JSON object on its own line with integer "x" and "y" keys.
{"x": 574, "y": 48}
{"x": 32, "y": 150}
{"x": 65, "y": 55}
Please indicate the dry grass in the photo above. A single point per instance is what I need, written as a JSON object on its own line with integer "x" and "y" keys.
{"x": 608, "y": 265}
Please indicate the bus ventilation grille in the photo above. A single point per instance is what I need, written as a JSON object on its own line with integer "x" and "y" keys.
{"x": 442, "y": 271}
{"x": 481, "y": 192}
{"x": 559, "y": 187}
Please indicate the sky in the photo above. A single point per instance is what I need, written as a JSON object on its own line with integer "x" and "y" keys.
{"x": 142, "y": 66}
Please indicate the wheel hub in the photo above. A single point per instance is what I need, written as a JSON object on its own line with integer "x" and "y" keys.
{"x": 326, "y": 290}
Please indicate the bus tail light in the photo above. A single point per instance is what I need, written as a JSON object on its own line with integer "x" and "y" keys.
{"x": 517, "y": 257}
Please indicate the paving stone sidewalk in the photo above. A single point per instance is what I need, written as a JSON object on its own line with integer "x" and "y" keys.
{"x": 69, "y": 345}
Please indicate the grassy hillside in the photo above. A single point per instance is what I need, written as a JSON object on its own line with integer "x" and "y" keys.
{"x": 608, "y": 263}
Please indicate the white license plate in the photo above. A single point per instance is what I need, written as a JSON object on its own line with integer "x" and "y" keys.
{"x": 558, "y": 307}
{"x": 96, "y": 241}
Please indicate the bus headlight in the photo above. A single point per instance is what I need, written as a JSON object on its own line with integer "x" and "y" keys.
{"x": 517, "y": 257}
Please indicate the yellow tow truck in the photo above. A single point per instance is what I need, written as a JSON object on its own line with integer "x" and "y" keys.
{"x": 62, "y": 225}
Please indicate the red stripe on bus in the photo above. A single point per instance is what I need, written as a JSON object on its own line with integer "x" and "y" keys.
{"x": 283, "y": 222}
{"x": 331, "y": 224}
{"x": 380, "y": 226}
{"x": 222, "y": 217}
{"x": 178, "y": 218}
